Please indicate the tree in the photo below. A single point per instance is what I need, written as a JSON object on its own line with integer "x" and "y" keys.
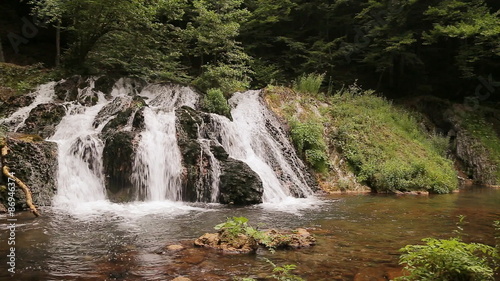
{"x": 214, "y": 49}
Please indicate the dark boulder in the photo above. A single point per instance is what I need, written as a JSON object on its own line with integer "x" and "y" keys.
{"x": 43, "y": 120}
{"x": 239, "y": 184}
{"x": 67, "y": 90}
{"x": 33, "y": 161}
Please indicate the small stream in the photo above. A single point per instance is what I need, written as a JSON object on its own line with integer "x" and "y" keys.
{"x": 355, "y": 233}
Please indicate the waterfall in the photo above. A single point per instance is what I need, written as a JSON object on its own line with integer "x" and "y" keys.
{"x": 157, "y": 166}
{"x": 80, "y": 177}
{"x": 255, "y": 137}
{"x": 43, "y": 94}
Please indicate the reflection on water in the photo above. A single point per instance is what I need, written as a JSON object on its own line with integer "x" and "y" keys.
{"x": 355, "y": 233}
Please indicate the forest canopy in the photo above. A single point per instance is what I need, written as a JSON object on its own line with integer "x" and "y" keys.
{"x": 400, "y": 47}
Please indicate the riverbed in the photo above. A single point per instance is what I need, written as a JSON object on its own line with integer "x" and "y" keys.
{"x": 357, "y": 234}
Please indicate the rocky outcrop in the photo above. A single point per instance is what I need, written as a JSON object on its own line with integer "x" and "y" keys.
{"x": 67, "y": 90}
{"x": 238, "y": 183}
{"x": 43, "y": 120}
{"x": 34, "y": 161}
{"x": 446, "y": 118}
{"x": 12, "y": 103}
{"x": 121, "y": 136}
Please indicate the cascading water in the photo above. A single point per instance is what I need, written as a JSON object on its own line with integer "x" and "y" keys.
{"x": 80, "y": 177}
{"x": 256, "y": 138}
{"x": 157, "y": 167}
{"x": 44, "y": 94}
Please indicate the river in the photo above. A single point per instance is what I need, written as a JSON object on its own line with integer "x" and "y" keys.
{"x": 356, "y": 234}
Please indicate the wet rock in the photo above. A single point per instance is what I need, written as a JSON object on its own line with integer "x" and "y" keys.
{"x": 67, "y": 90}
{"x": 121, "y": 137}
{"x": 118, "y": 157}
{"x": 181, "y": 279}
{"x": 105, "y": 84}
{"x": 11, "y": 104}
{"x": 239, "y": 184}
{"x": 170, "y": 249}
{"x": 300, "y": 238}
{"x": 2, "y": 207}
{"x": 222, "y": 241}
{"x": 196, "y": 174}
{"x": 33, "y": 161}
{"x": 43, "y": 120}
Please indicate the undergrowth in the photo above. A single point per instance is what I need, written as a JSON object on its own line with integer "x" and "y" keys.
{"x": 22, "y": 79}
{"x": 386, "y": 147}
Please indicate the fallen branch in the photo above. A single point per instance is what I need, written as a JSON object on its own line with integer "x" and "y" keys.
{"x": 24, "y": 187}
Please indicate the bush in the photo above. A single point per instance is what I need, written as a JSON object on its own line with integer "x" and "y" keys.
{"x": 449, "y": 259}
{"x": 310, "y": 83}
{"x": 215, "y": 102}
{"x": 308, "y": 139}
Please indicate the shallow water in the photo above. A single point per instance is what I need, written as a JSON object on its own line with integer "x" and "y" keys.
{"x": 356, "y": 233}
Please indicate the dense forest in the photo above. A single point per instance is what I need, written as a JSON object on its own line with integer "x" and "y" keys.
{"x": 446, "y": 48}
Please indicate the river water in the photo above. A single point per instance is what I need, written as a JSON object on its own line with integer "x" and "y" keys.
{"x": 356, "y": 234}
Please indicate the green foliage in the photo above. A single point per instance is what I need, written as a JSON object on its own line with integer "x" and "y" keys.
{"x": 239, "y": 225}
{"x": 308, "y": 139}
{"x": 385, "y": 146}
{"x": 449, "y": 259}
{"x": 310, "y": 83}
{"x": 284, "y": 273}
{"x": 215, "y": 102}
{"x": 22, "y": 79}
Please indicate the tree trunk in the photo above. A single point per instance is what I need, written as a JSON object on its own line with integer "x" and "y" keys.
{"x": 58, "y": 43}
{"x": 2, "y": 59}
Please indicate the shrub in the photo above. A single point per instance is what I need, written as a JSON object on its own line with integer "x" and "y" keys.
{"x": 215, "y": 102}
{"x": 239, "y": 225}
{"x": 449, "y": 259}
{"x": 310, "y": 83}
{"x": 308, "y": 139}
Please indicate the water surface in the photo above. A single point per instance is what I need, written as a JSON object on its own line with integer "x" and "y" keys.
{"x": 356, "y": 233}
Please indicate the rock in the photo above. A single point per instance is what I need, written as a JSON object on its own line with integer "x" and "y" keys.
{"x": 2, "y": 207}
{"x": 11, "y": 104}
{"x": 35, "y": 163}
{"x": 175, "y": 248}
{"x": 239, "y": 184}
{"x": 181, "y": 279}
{"x": 104, "y": 84}
{"x": 120, "y": 146}
{"x": 208, "y": 240}
{"x": 118, "y": 157}
{"x": 67, "y": 90}
{"x": 43, "y": 120}
{"x": 222, "y": 241}
{"x": 300, "y": 238}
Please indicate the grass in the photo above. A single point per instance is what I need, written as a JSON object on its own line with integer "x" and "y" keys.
{"x": 477, "y": 126}
{"x": 386, "y": 148}
{"x": 310, "y": 83}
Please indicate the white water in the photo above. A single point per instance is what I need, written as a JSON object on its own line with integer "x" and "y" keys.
{"x": 254, "y": 137}
{"x": 158, "y": 166}
{"x": 80, "y": 177}
{"x": 248, "y": 139}
{"x": 44, "y": 94}
{"x": 216, "y": 169}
